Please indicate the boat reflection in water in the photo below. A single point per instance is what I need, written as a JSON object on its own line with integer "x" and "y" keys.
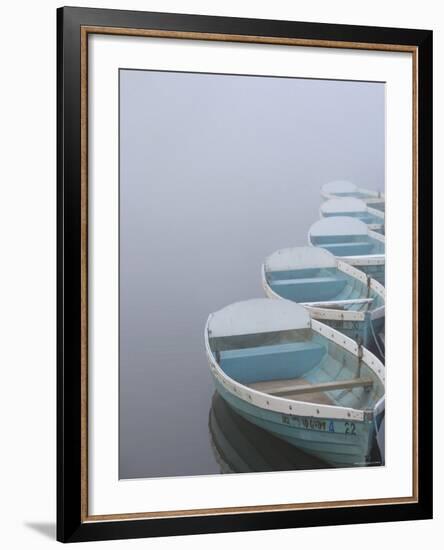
{"x": 241, "y": 447}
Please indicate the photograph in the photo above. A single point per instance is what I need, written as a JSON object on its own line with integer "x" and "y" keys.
{"x": 251, "y": 273}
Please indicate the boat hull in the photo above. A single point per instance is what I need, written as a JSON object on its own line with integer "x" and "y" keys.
{"x": 336, "y": 442}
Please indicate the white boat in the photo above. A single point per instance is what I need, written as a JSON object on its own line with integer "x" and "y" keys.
{"x": 351, "y": 240}
{"x": 333, "y": 291}
{"x": 354, "y": 208}
{"x": 341, "y": 189}
{"x": 297, "y": 378}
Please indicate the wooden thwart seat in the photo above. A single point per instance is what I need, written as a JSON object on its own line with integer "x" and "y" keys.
{"x": 299, "y": 387}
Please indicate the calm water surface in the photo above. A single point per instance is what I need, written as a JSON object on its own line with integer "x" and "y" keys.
{"x": 217, "y": 172}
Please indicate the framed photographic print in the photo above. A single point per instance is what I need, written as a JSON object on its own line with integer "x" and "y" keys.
{"x": 244, "y": 274}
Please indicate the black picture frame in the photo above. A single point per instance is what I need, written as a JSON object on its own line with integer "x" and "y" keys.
{"x": 72, "y": 525}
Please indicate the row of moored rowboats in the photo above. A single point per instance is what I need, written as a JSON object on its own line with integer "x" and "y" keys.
{"x": 306, "y": 363}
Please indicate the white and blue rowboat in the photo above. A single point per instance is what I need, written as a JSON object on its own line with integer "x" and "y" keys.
{"x": 354, "y": 208}
{"x": 346, "y": 189}
{"x": 333, "y": 291}
{"x": 297, "y": 378}
{"x": 352, "y": 241}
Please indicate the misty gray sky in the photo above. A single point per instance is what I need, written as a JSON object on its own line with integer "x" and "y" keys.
{"x": 216, "y": 172}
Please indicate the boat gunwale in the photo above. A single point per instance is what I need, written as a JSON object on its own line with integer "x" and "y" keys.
{"x": 378, "y": 236}
{"x": 376, "y": 212}
{"x": 282, "y": 405}
{"x": 364, "y": 259}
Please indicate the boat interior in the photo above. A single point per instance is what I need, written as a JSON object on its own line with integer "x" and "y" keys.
{"x": 349, "y": 245}
{"x": 299, "y": 365}
{"x": 366, "y": 217}
{"x": 327, "y": 284}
